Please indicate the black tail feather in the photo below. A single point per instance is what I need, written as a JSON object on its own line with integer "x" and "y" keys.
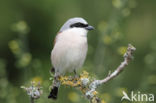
{"x": 53, "y": 93}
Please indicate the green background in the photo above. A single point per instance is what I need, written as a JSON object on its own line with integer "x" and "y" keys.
{"x": 28, "y": 28}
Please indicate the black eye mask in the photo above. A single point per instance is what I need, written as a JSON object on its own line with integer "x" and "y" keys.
{"x": 80, "y": 25}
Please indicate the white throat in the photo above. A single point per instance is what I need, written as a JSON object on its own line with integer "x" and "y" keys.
{"x": 78, "y": 31}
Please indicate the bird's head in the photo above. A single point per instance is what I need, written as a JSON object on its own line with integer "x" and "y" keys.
{"x": 76, "y": 23}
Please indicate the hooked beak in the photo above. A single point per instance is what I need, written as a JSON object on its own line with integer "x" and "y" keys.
{"x": 89, "y": 27}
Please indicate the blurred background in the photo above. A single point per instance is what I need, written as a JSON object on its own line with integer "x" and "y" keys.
{"x": 28, "y": 28}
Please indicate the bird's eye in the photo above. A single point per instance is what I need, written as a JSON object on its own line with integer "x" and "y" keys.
{"x": 80, "y": 25}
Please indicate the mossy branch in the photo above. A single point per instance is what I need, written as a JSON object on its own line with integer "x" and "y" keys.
{"x": 88, "y": 84}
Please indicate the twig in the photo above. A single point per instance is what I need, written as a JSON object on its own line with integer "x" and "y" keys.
{"x": 34, "y": 91}
{"x": 127, "y": 57}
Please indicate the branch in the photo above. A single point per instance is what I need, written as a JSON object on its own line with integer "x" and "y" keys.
{"x": 127, "y": 57}
{"x": 34, "y": 91}
{"x": 88, "y": 84}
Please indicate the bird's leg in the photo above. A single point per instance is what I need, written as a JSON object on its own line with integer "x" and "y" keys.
{"x": 75, "y": 74}
{"x": 52, "y": 70}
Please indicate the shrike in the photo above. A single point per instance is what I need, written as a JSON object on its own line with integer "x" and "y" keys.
{"x": 70, "y": 49}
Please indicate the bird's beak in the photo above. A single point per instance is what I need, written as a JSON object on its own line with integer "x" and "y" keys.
{"x": 89, "y": 27}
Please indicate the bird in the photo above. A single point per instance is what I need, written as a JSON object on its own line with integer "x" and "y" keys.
{"x": 70, "y": 50}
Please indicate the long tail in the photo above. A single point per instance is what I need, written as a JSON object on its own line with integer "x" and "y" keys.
{"x": 53, "y": 93}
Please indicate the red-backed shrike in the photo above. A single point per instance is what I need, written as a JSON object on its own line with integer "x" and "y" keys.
{"x": 70, "y": 49}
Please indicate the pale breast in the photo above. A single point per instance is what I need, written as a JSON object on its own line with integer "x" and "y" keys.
{"x": 69, "y": 52}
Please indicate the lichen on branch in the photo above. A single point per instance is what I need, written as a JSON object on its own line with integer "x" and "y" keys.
{"x": 88, "y": 84}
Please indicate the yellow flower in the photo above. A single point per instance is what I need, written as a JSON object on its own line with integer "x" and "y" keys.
{"x": 122, "y": 50}
{"x": 37, "y": 79}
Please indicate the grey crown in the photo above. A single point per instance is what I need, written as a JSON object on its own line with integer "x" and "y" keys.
{"x": 72, "y": 21}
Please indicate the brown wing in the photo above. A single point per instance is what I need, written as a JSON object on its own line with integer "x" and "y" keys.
{"x": 55, "y": 39}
